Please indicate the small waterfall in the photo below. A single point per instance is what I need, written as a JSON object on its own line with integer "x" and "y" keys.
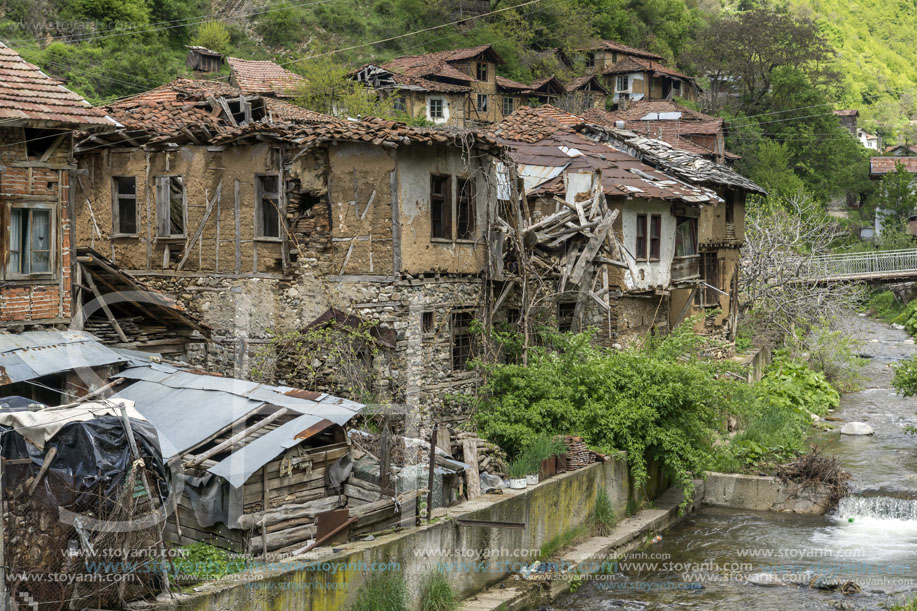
{"x": 880, "y": 507}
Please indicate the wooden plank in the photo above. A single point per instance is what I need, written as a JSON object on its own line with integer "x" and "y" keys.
{"x": 216, "y": 261}
{"x": 105, "y": 308}
{"x": 472, "y": 477}
{"x": 238, "y": 223}
{"x": 287, "y": 512}
{"x": 592, "y": 247}
{"x": 281, "y": 538}
{"x": 235, "y": 439}
{"x": 360, "y": 493}
{"x": 200, "y": 227}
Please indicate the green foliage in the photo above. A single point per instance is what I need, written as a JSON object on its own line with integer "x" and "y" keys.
{"x": 655, "y": 402}
{"x": 885, "y": 306}
{"x": 896, "y": 198}
{"x": 437, "y": 594}
{"x": 383, "y": 591}
{"x": 519, "y": 468}
{"x": 203, "y": 562}
{"x": 908, "y": 318}
{"x": 792, "y": 385}
{"x": 902, "y": 605}
{"x": 550, "y": 547}
{"x": 212, "y": 35}
{"x": 905, "y": 380}
{"x": 830, "y": 351}
{"x": 603, "y": 516}
{"x": 328, "y": 89}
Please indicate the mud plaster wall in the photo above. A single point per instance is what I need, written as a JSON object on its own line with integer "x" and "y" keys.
{"x": 43, "y": 298}
{"x": 203, "y": 171}
{"x": 640, "y": 315}
{"x": 419, "y": 252}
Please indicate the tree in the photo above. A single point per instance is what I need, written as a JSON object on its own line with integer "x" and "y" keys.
{"x": 896, "y": 198}
{"x": 329, "y": 89}
{"x": 212, "y": 35}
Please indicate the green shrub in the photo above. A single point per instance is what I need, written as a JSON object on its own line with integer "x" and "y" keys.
{"x": 203, "y": 562}
{"x": 604, "y": 515}
{"x": 519, "y": 468}
{"x": 793, "y": 385}
{"x": 905, "y": 380}
{"x": 885, "y": 306}
{"x": 437, "y": 594}
{"x": 383, "y": 591}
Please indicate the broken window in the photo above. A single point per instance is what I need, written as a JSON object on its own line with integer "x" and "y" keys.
{"x": 640, "y": 244}
{"x": 711, "y": 279}
{"x": 565, "y": 310}
{"x": 508, "y": 105}
{"x": 400, "y": 104}
{"x": 435, "y": 108}
{"x": 590, "y": 60}
{"x": 124, "y": 205}
{"x": 685, "y": 237}
{"x": 267, "y": 206}
{"x": 465, "y": 209}
{"x": 30, "y": 241}
{"x": 461, "y": 340}
{"x": 482, "y": 71}
{"x": 426, "y": 322}
{"x": 655, "y": 236}
{"x": 440, "y": 208}
{"x": 730, "y": 197}
{"x": 170, "y": 206}
{"x": 622, "y": 84}
{"x": 482, "y": 102}
{"x": 39, "y": 141}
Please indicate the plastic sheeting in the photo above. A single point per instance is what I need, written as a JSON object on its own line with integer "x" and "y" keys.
{"x": 93, "y": 459}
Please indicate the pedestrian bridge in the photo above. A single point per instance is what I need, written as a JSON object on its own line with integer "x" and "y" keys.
{"x": 875, "y": 266}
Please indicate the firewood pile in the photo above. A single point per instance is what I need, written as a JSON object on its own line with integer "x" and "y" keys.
{"x": 491, "y": 458}
{"x": 138, "y": 332}
{"x": 578, "y": 455}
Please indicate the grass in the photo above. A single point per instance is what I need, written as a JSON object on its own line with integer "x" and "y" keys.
{"x": 437, "y": 594}
{"x": 203, "y": 562}
{"x": 907, "y": 605}
{"x": 384, "y": 591}
{"x": 604, "y": 517}
{"x": 885, "y": 306}
{"x": 550, "y": 548}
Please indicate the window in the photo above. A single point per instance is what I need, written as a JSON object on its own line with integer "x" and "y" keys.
{"x": 730, "y": 207}
{"x": 590, "y": 60}
{"x": 30, "y": 241}
{"x": 676, "y": 85}
{"x": 508, "y": 105}
{"x": 461, "y": 340}
{"x": 655, "y": 236}
{"x": 170, "y": 206}
{"x": 482, "y": 71}
{"x": 640, "y": 244}
{"x": 711, "y": 278}
{"x": 267, "y": 207}
{"x": 513, "y": 315}
{"x": 622, "y": 84}
{"x": 482, "y": 102}
{"x": 435, "y": 108}
{"x": 685, "y": 237}
{"x": 124, "y": 205}
{"x": 565, "y": 312}
{"x": 400, "y": 104}
{"x": 465, "y": 210}
{"x": 426, "y": 322}
{"x": 440, "y": 208}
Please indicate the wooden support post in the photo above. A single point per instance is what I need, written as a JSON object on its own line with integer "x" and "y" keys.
{"x": 472, "y": 477}
{"x": 265, "y": 505}
{"x": 200, "y": 228}
{"x": 430, "y": 477}
{"x": 238, "y": 221}
{"x": 45, "y": 465}
{"x": 108, "y": 314}
{"x": 385, "y": 459}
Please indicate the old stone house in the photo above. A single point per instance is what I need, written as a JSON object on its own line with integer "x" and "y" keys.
{"x": 681, "y": 233}
{"x": 260, "y": 217}
{"x": 632, "y": 74}
{"x": 37, "y": 119}
{"x": 458, "y": 87}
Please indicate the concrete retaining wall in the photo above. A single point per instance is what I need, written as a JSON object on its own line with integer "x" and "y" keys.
{"x": 765, "y": 494}
{"x": 330, "y": 578}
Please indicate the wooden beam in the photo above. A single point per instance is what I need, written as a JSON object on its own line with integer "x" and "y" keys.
{"x": 234, "y": 439}
{"x": 237, "y": 212}
{"x": 592, "y": 247}
{"x": 200, "y": 227}
{"x": 47, "y": 154}
{"x": 105, "y": 308}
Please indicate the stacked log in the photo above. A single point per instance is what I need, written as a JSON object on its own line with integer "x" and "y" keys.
{"x": 491, "y": 458}
{"x": 288, "y": 524}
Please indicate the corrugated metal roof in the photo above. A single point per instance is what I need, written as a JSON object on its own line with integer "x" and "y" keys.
{"x": 33, "y": 354}
{"x": 188, "y": 408}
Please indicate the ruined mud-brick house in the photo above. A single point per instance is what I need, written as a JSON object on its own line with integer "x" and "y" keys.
{"x": 260, "y": 217}
{"x": 37, "y": 119}
{"x": 683, "y": 128}
{"x": 632, "y": 74}
{"x": 678, "y": 233}
{"x": 458, "y": 87}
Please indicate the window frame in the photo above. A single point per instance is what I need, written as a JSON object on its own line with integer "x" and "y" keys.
{"x": 260, "y": 196}
{"x": 444, "y": 200}
{"x": 482, "y": 68}
{"x": 400, "y": 103}
{"x": 442, "y": 108}
{"x": 461, "y": 340}
{"x": 655, "y": 237}
{"x": 590, "y": 59}
{"x": 53, "y": 250}
{"x": 512, "y": 105}
{"x": 481, "y": 102}
{"x": 465, "y": 202}
{"x": 116, "y": 197}
{"x": 626, "y": 87}
{"x": 641, "y": 237}
{"x": 566, "y": 313}
{"x": 160, "y": 182}
{"x": 427, "y": 322}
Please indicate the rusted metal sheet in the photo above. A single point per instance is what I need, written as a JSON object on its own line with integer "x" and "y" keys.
{"x": 310, "y": 395}
{"x": 316, "y": 428}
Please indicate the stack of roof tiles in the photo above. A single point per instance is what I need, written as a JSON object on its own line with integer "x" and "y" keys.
{"x": 28, "y": 94}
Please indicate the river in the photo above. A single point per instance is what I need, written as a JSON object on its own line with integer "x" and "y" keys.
{"x": 705, "y": 561}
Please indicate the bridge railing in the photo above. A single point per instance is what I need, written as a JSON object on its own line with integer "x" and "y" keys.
{"x": 859, "y": 264}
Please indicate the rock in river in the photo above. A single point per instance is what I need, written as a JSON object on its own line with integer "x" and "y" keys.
{"x": 856, "y": 428}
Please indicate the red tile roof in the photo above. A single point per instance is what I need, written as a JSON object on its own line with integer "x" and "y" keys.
{"x": 28, "y": 94}
{"x": 616, "y": 46}
{"x": 886, "y": 165}
{"x": 633, "y": 64}
{"x": 851, "y": 112}
{"x": 900, "y": 148}
{"x": 437, "y": 64}
{"x": 505, "y": 83}
{"x": 671, "y": 131}
{"x": 581, "y": 82}
{"x": 263, "y": 77}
